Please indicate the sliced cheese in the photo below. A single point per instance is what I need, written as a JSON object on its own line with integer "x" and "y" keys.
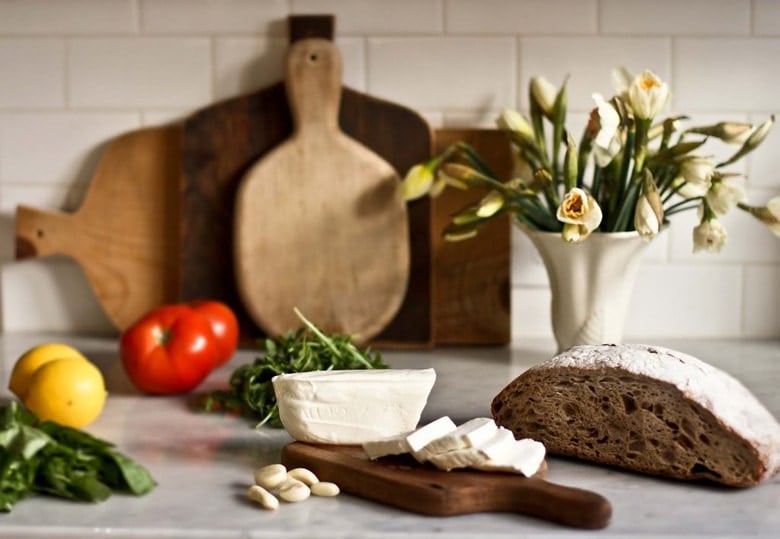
{"x": 410, "y": 442}
{"x": 472, "y": 433}
{"x": 526, "y": 457}
{"x": 392, "y": 445}
{"x": 352, "y": 406}
{"x": 497, "y": 447}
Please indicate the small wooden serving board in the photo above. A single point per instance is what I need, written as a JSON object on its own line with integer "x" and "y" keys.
{"x": 402, "y": 482}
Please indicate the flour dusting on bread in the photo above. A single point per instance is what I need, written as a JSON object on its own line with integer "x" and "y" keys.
{"x": 646, "y": 408}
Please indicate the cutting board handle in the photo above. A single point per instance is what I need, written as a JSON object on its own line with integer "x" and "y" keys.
{"x": 43, "y": 232}
{"x": 313, "y": 84}
{"x": 566, "y": 505}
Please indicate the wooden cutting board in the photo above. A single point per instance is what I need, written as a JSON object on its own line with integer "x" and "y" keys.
{"x": 221, "y": 142}
{"x": 125, "y": 232}
{"x": 403, "y": 483}
{"x": 318, "y": 225}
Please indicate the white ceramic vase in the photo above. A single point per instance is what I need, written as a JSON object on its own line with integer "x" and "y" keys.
{"x": 591, "y": 284}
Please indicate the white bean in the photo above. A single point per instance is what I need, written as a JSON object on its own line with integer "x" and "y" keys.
{"x": 303, "y": 475}
{"x": 325, "y": 488}
{"x": 271, "y": 476}
{"x": 294, "y": 491}
{"x": 267, "y": 500}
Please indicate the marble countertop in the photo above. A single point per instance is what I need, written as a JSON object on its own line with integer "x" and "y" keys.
{"x": 204, "y": 462}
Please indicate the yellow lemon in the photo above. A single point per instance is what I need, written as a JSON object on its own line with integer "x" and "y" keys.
{"x": 69, "y": 391}
{"x": 31, "y": 360}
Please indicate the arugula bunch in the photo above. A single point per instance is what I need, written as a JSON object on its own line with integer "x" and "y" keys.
{"x": 43, "y": 457}
{"x": 251, "y": 392}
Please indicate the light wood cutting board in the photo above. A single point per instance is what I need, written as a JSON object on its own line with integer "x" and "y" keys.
{"x": 125, "y": 234}
{"x": 318, "y": 217}
{"x": 403, "y": 483}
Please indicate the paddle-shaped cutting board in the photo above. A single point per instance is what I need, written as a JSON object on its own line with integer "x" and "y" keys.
{"x": 125, "y": 234}
{"x": 317, "y": 223}
{"x": 403, "y": 483}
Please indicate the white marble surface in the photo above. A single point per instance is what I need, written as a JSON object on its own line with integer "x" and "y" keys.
{"x": 204, "y": 462}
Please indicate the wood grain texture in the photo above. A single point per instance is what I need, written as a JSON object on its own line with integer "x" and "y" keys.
{"x": 222, "y": 141}
{"x": 125, "y": 231}
{"x": 402, "y": 482}
{"x": 318, "y": 217}
{"x": 472, "y": 277}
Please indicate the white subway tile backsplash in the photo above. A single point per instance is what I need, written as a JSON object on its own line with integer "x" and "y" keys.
{"x": 672, "y": 17}
{"x": 766, "y": 17}
{"x": 57, "y": 148}
{"x": 380, "y": 17}
{"x": 521, "y": 17}
{"x": 588, "y": 63}
{"x": 32, "y": 73}
{"x": 68, "y": 17}
{"x": 76, "y": 73}
{"x": 214, "y": 16}
{"x": 58, "y": 286}
{"x": 763, "y": 165}
{"x": 243, "y": 64}
{"x": 139, "y": 72}
{"x": 682, "y": 300}
{"x": 468, "y": 73}
{"x": 726, "y": 74}
{"x": 762, "y": 296}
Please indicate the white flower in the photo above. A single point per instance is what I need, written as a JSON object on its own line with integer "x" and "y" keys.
{"x": 607, "y": 143}
{"x": 512, "y": 120}
{"x": 696, "y": 171}
{"x": 544, "y": 93}
{"x": 647, "y": 95}
{"x": 621, "y": 81}
{"x": 649, "y": 214}
{"x": 709, "y": 236}
{"x": 773, "y": 207}
{"x": 580, "y": 209}
{"x": 724, "y": 195}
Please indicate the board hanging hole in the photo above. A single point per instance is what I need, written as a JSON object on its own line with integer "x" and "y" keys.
{"x": 39, "y": 232}
{"x": 313, "y": 57}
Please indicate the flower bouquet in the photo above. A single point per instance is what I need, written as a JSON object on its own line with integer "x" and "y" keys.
{"x": 628, "y": 171}
{"x": 623, "y": 179}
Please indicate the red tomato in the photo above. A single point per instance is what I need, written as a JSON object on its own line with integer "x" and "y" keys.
{"x": 169, "y": 350}
{"x": 224, "y": 324}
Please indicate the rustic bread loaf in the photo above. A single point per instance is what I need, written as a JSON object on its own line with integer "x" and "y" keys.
{"x": 644, "y": 408}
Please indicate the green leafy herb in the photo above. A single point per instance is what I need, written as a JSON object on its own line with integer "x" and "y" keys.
{"x": 251, "y": 392}
{"x": 43, "y": 457}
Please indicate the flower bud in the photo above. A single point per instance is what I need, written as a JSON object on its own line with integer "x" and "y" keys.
{"x": 728, "y": 132}
{"x": 417, "y": 183}
{"x": 649, "y": 211}
{"x": 710, "y": 235}
{"x": 544, "y": 93}
{"x": 512, "y": 120}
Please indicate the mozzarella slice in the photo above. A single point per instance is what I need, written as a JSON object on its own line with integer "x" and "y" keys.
{"x": 497, "y": 447}
{"x": 411, "y": 442}
{"x": 472, "y": 433}
{"x": 352, "y": 406}
{"x": 526, "y": 457}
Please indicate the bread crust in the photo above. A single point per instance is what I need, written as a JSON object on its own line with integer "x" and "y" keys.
{"x": 646, "y": 408}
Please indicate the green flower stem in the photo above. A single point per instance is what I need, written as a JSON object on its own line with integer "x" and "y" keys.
{"x": 682, "y": 205}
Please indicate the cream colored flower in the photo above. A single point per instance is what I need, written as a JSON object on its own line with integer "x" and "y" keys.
{"x": 621, "y": 81}
{"x": 710, "y": 236}
{"x": 417, "y": 183}
{"x": 581, "y": 209}
{"x": 696, "y": 175}
{"x": 605, "y": 121}
{"x": 512, "y": 120}
{"x": 724, "y": 195}
{"x": 647, "y": 95}
{"x": 773, "y": 207}
{"x": 544, "y": 92}
{"x": 649, "y": 213}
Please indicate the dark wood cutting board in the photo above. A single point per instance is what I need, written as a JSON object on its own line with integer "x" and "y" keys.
{"x": 401, "y": 482}
{"x": 221, "y": 142}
